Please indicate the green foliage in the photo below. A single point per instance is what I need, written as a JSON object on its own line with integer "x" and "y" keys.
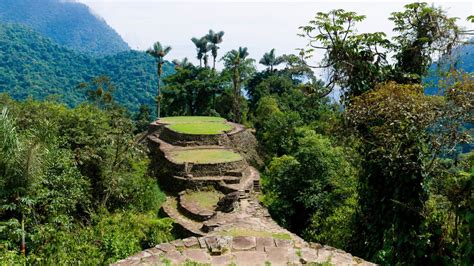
{"x": 398, "y": 126}
{"x": 192, "y": 91}
{"x": 312, "y": 191}
{"x": 67, "y": 23}
{"x": 424, "y": 32}
{"x": 34, "y": 66}
{"x": 76, "y": 179}
{"x": 126, "y": 233}
{"x": 240, "y": 68}
{"x": 356, "y": 62}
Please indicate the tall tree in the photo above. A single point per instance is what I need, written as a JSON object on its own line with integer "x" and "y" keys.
{"x": 355, "y": 62}
{"x": 214, "y": 38}
{"x": 100, "y": 91}
{"x": 238, "y": 63}
{"x": 202, "y": 48}
{"x": 270, "y": 60}
{"x": 184, "y": 63}
{"x": 425, "y": 32}
{"x": 159, "y": 52}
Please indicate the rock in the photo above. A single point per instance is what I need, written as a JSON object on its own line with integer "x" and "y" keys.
{"x": 221, "y": 260}
{"x": 308, "y": 255}
{"x": 191, "y": 242}
{"x": 213, "y": 245}
{"x": 166, "y": 247}
{"x": 324, "y": 255}
{"x": 315, "y": 245}
{"x": 228, "y": 202}
{"x": 284, "y": 243}
{"x": 277, "y": 255}
{"x": 240, "y": 243}
{"x": 175, "y": 257}
{"x": 177, "y": 243}
{"x": 202, "y": 242}
{"x": 264, "y": 242}
{"x": 246, "y": 258}
{"x": 196, "y": 255}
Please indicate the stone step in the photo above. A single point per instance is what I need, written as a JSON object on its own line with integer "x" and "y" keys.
{"x": 256, "y": 185}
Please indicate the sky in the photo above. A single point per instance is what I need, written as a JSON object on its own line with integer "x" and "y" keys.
{"x": 259, "y": 25}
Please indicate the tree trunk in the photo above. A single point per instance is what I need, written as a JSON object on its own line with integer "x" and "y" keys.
{"x": 23, "y": 236}
{"x": 158, "y": 97}
{"x": 236, "y": 82}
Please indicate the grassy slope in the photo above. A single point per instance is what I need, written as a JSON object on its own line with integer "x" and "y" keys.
{"x": 205, "y": 156}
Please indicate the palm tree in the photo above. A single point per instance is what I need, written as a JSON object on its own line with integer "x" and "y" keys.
{"x": 184, "y": 63}
{"x": 159, "y": 52}
{"x": 270, "y": 60}
{"x": 202, "y": 48}
{"x": 214, "y": 38}
{"x": 237, "y": 62}
{"x": 20, "y": 163}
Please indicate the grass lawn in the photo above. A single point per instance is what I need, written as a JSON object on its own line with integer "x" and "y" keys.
{"x": 200, "y": 128}
{"x": 205, "y": 156}
{"x": 249, "y": 232}
{"x": 206, "y": 199}
{"x": 190, "y": 119}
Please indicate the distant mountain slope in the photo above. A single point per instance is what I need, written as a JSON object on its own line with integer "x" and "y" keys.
{"x": 68, "y": 23}
{"x": 32, "y": 65}
{"x": 464, "y": 56}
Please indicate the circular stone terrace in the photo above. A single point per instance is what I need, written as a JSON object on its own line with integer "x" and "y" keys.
{"x": 197, "y": 125}
{"x": 195, "y": 130}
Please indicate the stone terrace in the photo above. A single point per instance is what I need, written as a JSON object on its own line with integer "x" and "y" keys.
{"x": 239, "y": 231}
{"x": 241, "y": 250}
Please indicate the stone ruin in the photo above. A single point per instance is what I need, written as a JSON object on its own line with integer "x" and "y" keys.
{"x": 237, "y": 229}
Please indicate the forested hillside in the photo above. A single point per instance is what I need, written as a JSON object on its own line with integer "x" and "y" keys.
{"x": 379, "y": 174}
{"x": 33, "y": 65}
{"x": 77, "y": 182}
{"x": 68, "y": 23}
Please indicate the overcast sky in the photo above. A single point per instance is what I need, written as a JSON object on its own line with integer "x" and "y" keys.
{"x": 259, "y": 25}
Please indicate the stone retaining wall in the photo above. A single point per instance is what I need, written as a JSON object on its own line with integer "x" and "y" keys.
{"x": 181, "y": 139}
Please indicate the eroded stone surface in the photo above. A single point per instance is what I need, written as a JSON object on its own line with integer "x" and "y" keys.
{"x": 246, "y": 254}
{"x": 244, "y": 243}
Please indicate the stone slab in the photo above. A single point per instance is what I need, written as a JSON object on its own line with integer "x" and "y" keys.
{"x": 277, "y": 256}
{"x": 263, "y": 242}
{"x": 197, "y": 255}
{"x": 241, "y": 243}
{"x": 250, "y": 258}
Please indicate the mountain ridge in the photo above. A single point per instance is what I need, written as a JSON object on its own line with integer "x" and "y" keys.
{"x": 68, "y": 23}
{"x": 34, "y": 66}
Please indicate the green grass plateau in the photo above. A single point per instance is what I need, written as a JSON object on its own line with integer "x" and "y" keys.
{"x": 201, "y": 128}
{"x": 190, "y": 119}
{"x": 205, "y": 156}
{"x": 206, "y": 199}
